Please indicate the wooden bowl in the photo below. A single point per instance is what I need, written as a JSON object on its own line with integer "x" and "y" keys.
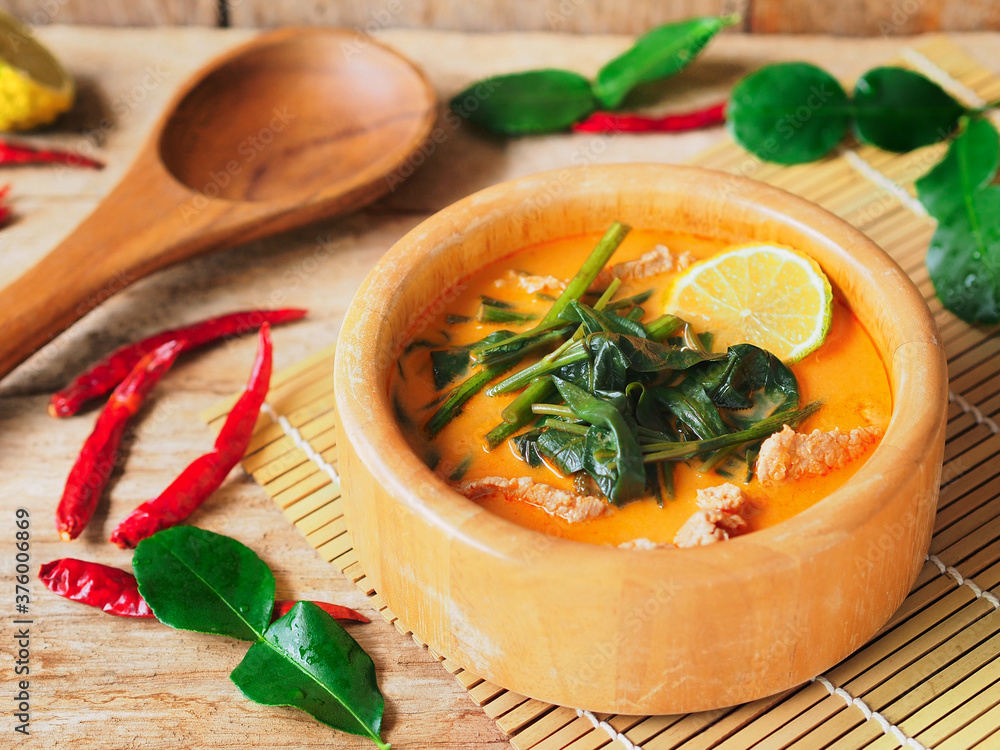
{"x": 637, "y": 632}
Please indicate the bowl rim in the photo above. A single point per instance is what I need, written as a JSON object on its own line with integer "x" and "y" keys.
{"x": 401, "y": 471}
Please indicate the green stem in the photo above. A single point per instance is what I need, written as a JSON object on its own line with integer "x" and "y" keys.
{"x": 453, "y": 404}
{"x": 717, "y": 458}
{"x": 670, "y": 451}
{"x": 692, "y": 340}
{"x": 574, "y": 353}
{"x": 475, "y": 383}
{"x": 493, "y": 314}
{"x": 520, "y": 408}
{"x": 591, "y": 267}
{"x": 663, "y": 327}
{"x": 482, "y": 352}
{"x": 605, "y": 298}
{"x": 557, "y": 424}
{"x": 635, "y": 299}
{"x": 518, "y": 413}
{"x": 499, "y": 434}
{"x": 554, "y": 410}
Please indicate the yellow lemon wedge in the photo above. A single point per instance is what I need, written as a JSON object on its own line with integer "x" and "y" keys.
{"x": 771, "y": 296}
{"x": 34, "y": 87}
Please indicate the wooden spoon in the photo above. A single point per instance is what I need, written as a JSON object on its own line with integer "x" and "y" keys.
{"x": 295, "y": 126}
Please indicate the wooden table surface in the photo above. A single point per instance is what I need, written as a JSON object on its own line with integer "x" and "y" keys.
{"x": 99, "y": 681}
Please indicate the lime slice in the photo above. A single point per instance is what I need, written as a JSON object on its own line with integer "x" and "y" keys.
{"x": 767, "y": 295}
{"x": 34, "y": 87}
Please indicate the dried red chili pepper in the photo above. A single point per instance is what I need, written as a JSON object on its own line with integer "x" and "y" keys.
{"x": 204, "y": 475}
{"x": 94, "y": 465}
{"x": 335, "y": 611}
{"x": 112, "y": 590}
{"x": 110, "y": 371}
{"x": 117, "y": 592}
{"x": 4, "y": 208}
{"x": 19, "y": 153}
{"x": 611, "y": 122}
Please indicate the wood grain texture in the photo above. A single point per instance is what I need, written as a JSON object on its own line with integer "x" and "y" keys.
{"x": 479, "y": 588}
{"x": 116, "y": 12}
{"x": 849, "y": 18}
{"x": 100, "y": 683}
{"x": 872, "y": 17}
{"x": 281, "y": 132}
{"x": 582, "y": 16}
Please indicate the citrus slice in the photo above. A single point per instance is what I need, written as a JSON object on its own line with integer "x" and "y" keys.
{"x": 767, "y": 295}
{"x": 34, "y": 87}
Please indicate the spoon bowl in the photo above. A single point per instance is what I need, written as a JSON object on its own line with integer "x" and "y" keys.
{"x": 295, "y": 126}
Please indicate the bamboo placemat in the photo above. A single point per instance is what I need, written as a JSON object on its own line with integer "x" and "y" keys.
{"x": 931, "y": 677}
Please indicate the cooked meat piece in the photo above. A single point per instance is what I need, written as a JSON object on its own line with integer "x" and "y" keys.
{"x": 790, "y": 455}
{"x": 562, "y": 503}
{"x": 532, "y": 284}
{"x": 708, "y": 527}
{"x": 657, "y": 260}
{"x": 643, "y": 543}
{"x": 726, "y": 497}
{"x": 719, "y": 518}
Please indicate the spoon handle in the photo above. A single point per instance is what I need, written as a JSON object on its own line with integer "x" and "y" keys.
{"x": 141, "y": 226}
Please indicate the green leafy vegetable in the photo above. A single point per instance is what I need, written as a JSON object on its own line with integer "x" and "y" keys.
{"x": 537, "y": 101}
{"x": 647, "y": 355}
{"x": 657, "y": 54}
{"x": 785, "y": 113}
{"x": 692, "y": 406}
{"x": 544, "y": 101}
{"x": 526, "y": 446}
{"x": 964, "y": 256}
{"x": 595, "y": 321}
{"x": 618, "y": 394}
{"x": 449, "y": 365}
{"x": 469, "y": 387}
{"x": 613, "y": 459}
{"x": 591, "y": 268}
{"x": 669, "y": 450}
{"x": 752, "y": 382}
{"x": 490, "y": 313}
{"x": 900, "y": 110}
{"x": 307, "y": 661}
{"x": 197, "y": 580}
{"x": 789, "y": 113}
{"x": 566, "y": 450}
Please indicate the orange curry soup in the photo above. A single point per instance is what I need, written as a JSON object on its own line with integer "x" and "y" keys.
{"x": 846, "y": 374}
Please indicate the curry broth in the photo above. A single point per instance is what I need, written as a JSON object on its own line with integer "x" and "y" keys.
{"x": 845, "y": 373}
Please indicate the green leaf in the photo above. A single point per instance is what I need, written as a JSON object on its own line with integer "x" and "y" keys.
{"x": 537, "y": 101}
{"x": 197, "y": 580}
{"x": 565, "y": 449}
{"x": 660, "y": 53}
{"x": 964, "y": 255}
{"x": 789, "y": 113}
{"x": 692, "y": 406}
{"x": 900, "y": 110}
{"x": 621, "y": 476}
{"x": 644, "y": 406}
{"x": 526, "y": 445}
{"x": 752, "y": 382}
{"x": 489, "y": 313}
{"x": 308, "y": 661}
{"x": 969, "y": 166}
{"x": 647, "y": 355}
{"x": 595, "y": 321}
{"x": 449, "y": 365}
{"x": 669, "y": 450}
